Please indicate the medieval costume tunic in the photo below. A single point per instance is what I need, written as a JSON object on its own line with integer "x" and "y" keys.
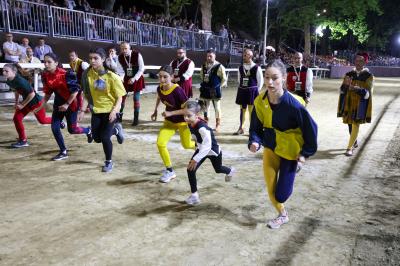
{"x": 300, "y": 81}
{"x": 355, "y": 106}
{"x": 183, "y": 69}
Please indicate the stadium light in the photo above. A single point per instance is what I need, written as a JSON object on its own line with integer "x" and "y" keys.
{"x": 265, "y": 32}
{"x": 318, "y": 32}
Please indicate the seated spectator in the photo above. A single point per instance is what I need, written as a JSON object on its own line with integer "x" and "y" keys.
{"x": 23, "y": 46}
{"x": 42, "y": 49}
{"x": 12, "y": 50}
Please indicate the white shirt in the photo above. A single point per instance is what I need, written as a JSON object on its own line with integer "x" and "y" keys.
{"x": 260, "y": 78}
{"x": 189, "y": 72}
{"x": 204, "y": 148}
{"x": 309, "y": 79}
{"x": 140, "y": 65}
{"x": 221, "y": 72}
{"x": 12, "y": 47}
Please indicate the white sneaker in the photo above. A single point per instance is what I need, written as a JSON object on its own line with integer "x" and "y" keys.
{"x": 193, "y": 199}
{"x": 228, "y": 177}
{"x": 278, "y": 221}
{"x": 167, "y": 176}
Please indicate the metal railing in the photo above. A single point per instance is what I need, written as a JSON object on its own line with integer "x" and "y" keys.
{"x": 29, "y": 17}
{"x": 68, "y": 23}
{"x": 126, "y": 31}
{"x": 26, "y": 17}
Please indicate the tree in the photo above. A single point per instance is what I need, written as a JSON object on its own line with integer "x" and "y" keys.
{"x": 171, "y": 8}
{"x": 302, "y": 14}
{"x": 107, "y": 5}
{"x": 206, "y": 14}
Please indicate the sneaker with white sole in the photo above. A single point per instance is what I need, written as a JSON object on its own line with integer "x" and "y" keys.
{"x": 20, "y": 144}
{"x": 61, "y": 156}
{"x": 120, "y": 133}
{"x": 108, "y": 166}
{"x": 228, "y": 177}
{"x": 193, "y": 199}
{"x": 278, "y": 221}
{"x": 167, "y": 176}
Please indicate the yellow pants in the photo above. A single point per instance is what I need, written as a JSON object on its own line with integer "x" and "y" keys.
{"x": 354, "y": 134}
{"x": 243, "y": 114}
{"x": 166, "y": 132}
{"x": 271, "y": 168}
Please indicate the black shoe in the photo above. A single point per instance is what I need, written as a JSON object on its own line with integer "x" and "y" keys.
{"x": 89, "y": 136}
{"x": 61, "y": 156}
{"x": 120, "y": 133}
{"x": 20, "y": 144}
{"x": 119, "y": 117}
{"x": 62, "y": 125}
{"x": 135, "y": 119}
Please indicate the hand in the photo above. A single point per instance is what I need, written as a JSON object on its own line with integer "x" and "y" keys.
{"x": 131, "y": 81}
{"x": 19, "y": 106}
{"x": 166, "y": 114}
{"x": 63, "y": 108}
{"x": 301, "y": 159}
{"x": 254, "y": 147}
{"x": 81, "y": 115}
{"x": 347, "y": 81}
{"x": 307, "y": 100}
{"x": 112, "y": 116}
{"x": 192, "y": 165}
{"x": 154, "y": 116}
{"x": 177, "y": 79}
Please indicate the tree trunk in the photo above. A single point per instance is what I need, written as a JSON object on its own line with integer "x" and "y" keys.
{"x": 307, "y": 39}
{"x": 206, "y": 14}
{"x": 107, "y": 5}
{"x": 166, "y": 9}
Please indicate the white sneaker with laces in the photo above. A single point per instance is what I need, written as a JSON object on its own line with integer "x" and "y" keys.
{"x": 278, "y": 221}
{"x": 193, "y": 199}
{"x": 167, "y": 176}
{"x": 228, "y": 177}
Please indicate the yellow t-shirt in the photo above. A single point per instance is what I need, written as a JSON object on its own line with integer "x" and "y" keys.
{"x": 105, "y": 90}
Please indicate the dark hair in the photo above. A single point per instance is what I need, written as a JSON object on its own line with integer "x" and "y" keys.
{"x": 55, "y": 58}
{"x": 72, "y": 51}
{"x": 277, "y": 63}
{"x": 195, "y": 105}
{"x": 167, "y": 68}
{"x": 210, "y": 51}
{"x": 181, "y": 48}
{"x": 99, "y": 51}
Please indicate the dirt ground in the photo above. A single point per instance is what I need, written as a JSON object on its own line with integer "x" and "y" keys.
{"x": 344, "y": 211}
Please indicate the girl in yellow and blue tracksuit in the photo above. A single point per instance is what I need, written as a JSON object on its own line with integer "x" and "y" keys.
{"x": 288, "y": 133}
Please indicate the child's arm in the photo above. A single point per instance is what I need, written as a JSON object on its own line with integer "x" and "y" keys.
{"x": 172, "y": 113}
{"x": 154, "y": 115}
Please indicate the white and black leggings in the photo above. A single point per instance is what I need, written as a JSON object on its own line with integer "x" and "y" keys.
{"x": 217, "y": 164}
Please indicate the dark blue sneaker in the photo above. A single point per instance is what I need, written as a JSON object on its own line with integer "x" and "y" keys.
{"x": 61, "y": 156}
{"x": 120, "y": 133}
{"x": 20, "y": 144}
{"x": 62, "y": 125}
{"x": 108, "y": 166}
{"x": 89, "y": 136}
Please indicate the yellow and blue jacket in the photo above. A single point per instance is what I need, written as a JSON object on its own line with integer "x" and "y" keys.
{"x": 287, "y": 128}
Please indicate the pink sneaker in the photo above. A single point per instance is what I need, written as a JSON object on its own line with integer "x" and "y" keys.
{"x": 278, "y": 221}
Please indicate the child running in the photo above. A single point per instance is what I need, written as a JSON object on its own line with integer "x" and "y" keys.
{"x": 104, "y": 90}
{"x": 31, "y": 101}
{"x": 288, "y": 133}
{"x": 207, "y": 147}
{"x": 174, "y": 98}
{"x": 65, "y": 87}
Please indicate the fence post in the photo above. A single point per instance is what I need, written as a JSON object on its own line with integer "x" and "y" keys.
{"x": 159, "y": 36}
{"x": 139, "y": 33}
{"x": 114, "y": 31}
{"x": 5, "y": 17}
{"x": 50, "y": 21}
{"x": 193, "y": 41}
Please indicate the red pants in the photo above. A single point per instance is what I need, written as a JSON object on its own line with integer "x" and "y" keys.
{"x": 20, "y": 114}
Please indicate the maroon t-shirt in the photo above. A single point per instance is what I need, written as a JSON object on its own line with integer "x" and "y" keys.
{"x": 173, "y": 101}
